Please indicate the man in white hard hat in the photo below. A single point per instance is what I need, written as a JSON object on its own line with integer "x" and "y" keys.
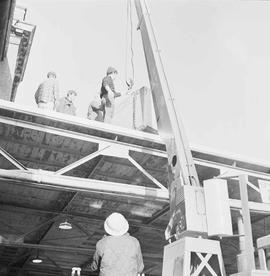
{"x": 118, "y": 254}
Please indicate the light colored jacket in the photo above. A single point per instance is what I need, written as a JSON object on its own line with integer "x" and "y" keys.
{"x": 48, "y": 91}
{"x": 118, "y": 256}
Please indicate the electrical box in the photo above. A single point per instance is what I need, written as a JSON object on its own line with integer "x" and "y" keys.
{"x": 219, "y": 221}
{"x": 189, "y": 215}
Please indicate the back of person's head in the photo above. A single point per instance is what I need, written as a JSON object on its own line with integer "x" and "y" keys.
{"x": 111, "y": 70}
{"x": 71, "y": 92}
{"x": 51, "y": 74}
{"x": 116, "y": 224}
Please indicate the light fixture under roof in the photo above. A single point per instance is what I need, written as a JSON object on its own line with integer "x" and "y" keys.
{"x": 37, "y": 259}
{"x": 65, "y": 225}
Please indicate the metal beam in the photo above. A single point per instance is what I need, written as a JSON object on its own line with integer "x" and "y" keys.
{"x": 82, "y": 160}
{"x": 231, "y": 169}
{"x": 148, "y": 175}
{"x": 229, "y": 159}
{"x": 40, "y": 178}
{"x": 10, "y": 138}
{"x": 81, "y": 136}
{"x": 254, "y": 207}
{"x": 158, "y": 214}
{"x": 95, "y": 168}
{"x": 79, "y": 122}
{"x": 37, "y": 227}
{"x": 12, "y": 160}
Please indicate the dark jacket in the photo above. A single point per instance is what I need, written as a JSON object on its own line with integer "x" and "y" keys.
{"x": 108, "y": 81}
{"x": 118, "y": 256}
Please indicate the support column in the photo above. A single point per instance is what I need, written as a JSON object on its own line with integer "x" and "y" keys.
{"x": 241, "y": 260}
{"x": 248, "y": 239}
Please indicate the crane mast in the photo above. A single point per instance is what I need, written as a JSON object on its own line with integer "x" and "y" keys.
{"x": 181, "y": 166}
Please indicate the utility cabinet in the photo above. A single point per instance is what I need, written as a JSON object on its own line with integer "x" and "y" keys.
{"x": 219, "y": 221}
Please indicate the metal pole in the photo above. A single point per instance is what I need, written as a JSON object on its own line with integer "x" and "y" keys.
{"x": 241, "y": 263}
{"x": 248, "y": 239}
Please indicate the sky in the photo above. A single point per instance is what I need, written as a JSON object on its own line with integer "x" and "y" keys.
{"x": 216, "y": 56}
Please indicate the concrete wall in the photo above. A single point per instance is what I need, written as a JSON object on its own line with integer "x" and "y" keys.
{"x": 5, "y": 80}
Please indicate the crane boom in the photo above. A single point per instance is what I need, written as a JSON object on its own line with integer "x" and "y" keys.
{"x": 181, "y": 166}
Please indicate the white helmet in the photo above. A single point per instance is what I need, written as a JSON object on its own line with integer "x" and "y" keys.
{"x": 116, "y": 225}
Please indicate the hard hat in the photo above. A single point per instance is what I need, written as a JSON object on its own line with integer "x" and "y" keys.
{"x": 116, "y": 225}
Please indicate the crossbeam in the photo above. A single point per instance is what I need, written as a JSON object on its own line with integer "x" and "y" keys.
{"x": 82, "y": 161}
{"x": 41, "y": 178}
{"x": 81, "y": 136}
{"x": 230, "y": 169}
{"x": 45, "y": 179}
{"x": 254, "y": 207}
{"x": 148, "y": 175}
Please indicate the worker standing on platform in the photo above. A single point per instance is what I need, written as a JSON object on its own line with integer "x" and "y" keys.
{"x": 108, "y": 94}
{"x": 66, "y": 104}
{"x": 118, "y": 254}
{"x": 47, "y": 93}
{"x": 96, "y": 109}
